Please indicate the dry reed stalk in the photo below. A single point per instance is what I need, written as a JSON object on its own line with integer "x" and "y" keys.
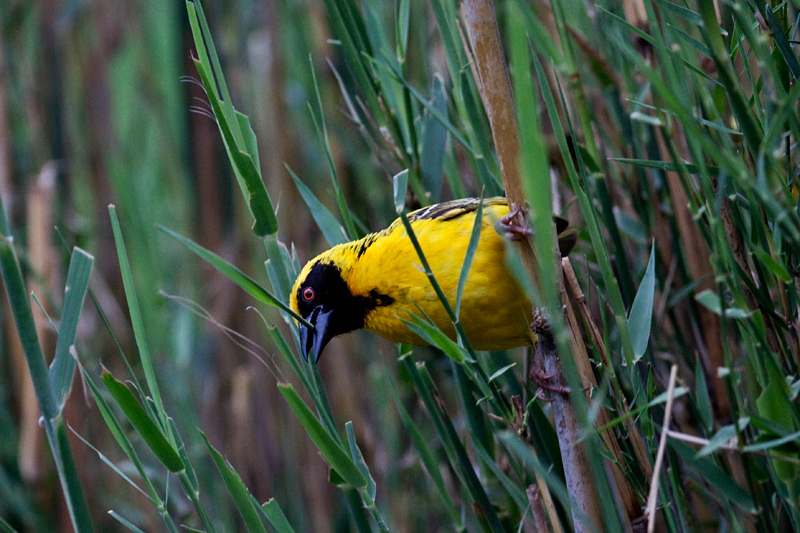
{"x": 535, "y": 502}
{"x": 652, "y": 497}
{"x": 43, "y": 261}
{"x": 699, "y": 264}
{"x": 579, "y": 299}
{"x": 577, "y": 471}
{"x": 627, "y": 496}
{"x": 498, "y": 101}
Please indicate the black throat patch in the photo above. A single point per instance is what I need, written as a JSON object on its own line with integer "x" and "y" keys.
{"x": 332, "y": 293}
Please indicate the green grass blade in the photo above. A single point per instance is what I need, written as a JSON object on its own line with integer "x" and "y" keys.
{"x": 701, "y": 397}
{"x": 244, "y": 281}
{"x": 692, "y": 17}
{"x": 435, "y": 113}
{"x": 769, "y": 444}
{"x": 70, "y": 481}
{"x": 144, "y": 426}
{"x": 344, "y": 211}
{"x": 238, "y": 491}
{"x": 279, "y": 268}
{"x": 722, "y": 437}
{"x": 125, "y": 522}
{"x": 53, "y": 424}
{"x": 403, "y": 10}
{"x": 472, "y": 246}
{"x": 119, "y": 434}
{"x": 782, "y": 43}
{"x": 716, "y": 477}
{"x": 433, "y": 335}
{"x": 434, "y": 144}
{"x": 333, "y": 232}
{"x": 641, "y": 314}
{"x": 250, "y": 143}
{"x": 533, "y": 168}
{"x": 289, "y": 356}
{"x": 272, "y": 510}
{"x": 556, "y": 485}
{"x": 191, "y": 475}
{"x": 5, "y": 527}
{"x": 26, "y": 328}
{"x": 666, "y": 165}
{"x": 115, "y": 468}
{"x": 350, "y": 30}
{"x": 333, "y": 453}
{"x": 429, "y": 460}
{"x": 469, "y": 393}
{"x": 239, "y": 145}
{"x": 355, "y": 506}
{"x": 776, "y": 266}
{"x": 62, "y": 368}
{"x": 358, "y": 459}
{"x": 136, "y": 315}
{"x": 541, "y": 35}
{"x": 513, "y": 490}
{"x": 207, "y": 51}
{"x": 739, "y": 104}
{"x": 399, "y": 188}
{"x": 453, "y": 446}
{"x": 771, "y": 405}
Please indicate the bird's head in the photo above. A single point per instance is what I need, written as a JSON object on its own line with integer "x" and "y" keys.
{"x": 321, "y": 296}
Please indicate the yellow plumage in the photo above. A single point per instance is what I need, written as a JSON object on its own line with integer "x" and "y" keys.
{"x": 383, "y": 282}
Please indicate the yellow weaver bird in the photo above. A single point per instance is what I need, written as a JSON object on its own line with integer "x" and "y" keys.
{"x": 376, "y": 282}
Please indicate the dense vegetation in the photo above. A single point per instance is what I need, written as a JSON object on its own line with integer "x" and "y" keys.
{"x": 176, "y": 398}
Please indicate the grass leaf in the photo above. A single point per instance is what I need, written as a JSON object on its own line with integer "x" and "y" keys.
{"x": 331, "y": 229}
{"x": 152, "y": 435}
{"x": 336, "y": 457}
{"x": 235, "y": 275}
{"x": 238, "y": 491}
{"x": 62, "y": 369}
{"x": 276, "y": 517}
{"x": 641, "y": 314}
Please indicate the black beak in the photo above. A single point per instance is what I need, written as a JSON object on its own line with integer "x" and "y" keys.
{"x": 315, "y": 342}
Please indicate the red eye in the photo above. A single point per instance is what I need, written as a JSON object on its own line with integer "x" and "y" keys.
{"x": 308, "y": 294}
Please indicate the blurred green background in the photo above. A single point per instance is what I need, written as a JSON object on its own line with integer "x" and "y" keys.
{"x": 99, "y": 104}
{"x": 667, "y": 130}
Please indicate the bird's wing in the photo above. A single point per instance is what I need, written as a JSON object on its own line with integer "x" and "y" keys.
{"x": 453, "y": 208}
{"x": 567, "y": 237}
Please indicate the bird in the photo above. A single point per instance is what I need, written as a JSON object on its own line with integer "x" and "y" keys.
{"x": 376, "y": 283}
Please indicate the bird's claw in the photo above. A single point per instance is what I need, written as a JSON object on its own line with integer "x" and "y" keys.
{"x": 511, "y": 228}
{"x": 540, "y": 324}
{"x": 537, "y": 374}
{"x": 542, "y": 379}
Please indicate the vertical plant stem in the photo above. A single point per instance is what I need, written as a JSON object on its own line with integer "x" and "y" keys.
{"x": 52, "y": 420}
{"x": 627, "y": 495}
{"x": 699, "y": 267}
{"x": 580, "y": 486}
{"x": 496, "y": 92}
{"x": 577, "y": 298}
{"x": 498, "y": 100}
{"x": 39, "y": 205}
{"x": 652, "y": 498}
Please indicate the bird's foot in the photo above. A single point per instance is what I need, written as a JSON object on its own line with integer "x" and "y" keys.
{"x": 542, "y": 379}
{"x": 510, "y": 227}
{"x": 547, "y": 381}
{"x": 540, "y": 324}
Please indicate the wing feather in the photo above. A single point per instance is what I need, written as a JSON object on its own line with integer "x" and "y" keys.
{"x": 453, "y": 208}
